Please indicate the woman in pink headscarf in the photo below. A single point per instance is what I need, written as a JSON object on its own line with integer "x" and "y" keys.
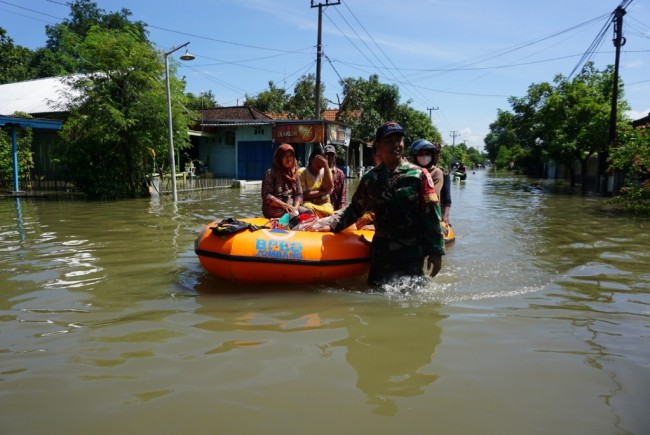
{"x": 281, "y": 190}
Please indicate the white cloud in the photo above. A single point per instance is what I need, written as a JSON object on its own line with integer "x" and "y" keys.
{"x": 635, "y": 114}
{"x": 634, "y": 64}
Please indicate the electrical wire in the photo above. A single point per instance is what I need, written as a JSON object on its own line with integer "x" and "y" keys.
{"x": 598, "y": 40}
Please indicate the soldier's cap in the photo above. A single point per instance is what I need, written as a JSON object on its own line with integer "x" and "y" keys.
{"x": 387, "y": 128}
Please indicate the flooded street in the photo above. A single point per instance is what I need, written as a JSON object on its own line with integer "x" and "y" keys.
{"x": 538, "y": 323}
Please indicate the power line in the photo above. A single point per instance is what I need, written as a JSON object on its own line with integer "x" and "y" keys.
{"x": 390, "y": 60}
{"x": 257, "y": 47}
{"x": 31, "y": 10}
{"x": 598, "y": 40}
{"x": 502, "y": 52}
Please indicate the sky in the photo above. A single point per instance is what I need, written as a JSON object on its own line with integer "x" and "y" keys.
{"x": 457, "y": 61}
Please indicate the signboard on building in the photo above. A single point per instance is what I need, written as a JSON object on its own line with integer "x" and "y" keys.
{"x": 338, "y": 134}
{"x": 299, "y": 133}
{"x": 312, "y": 132}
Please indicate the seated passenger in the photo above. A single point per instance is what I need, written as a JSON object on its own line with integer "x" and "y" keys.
{"x": 316, "y": 183}
{"x": 426, "y": 154}
{"x": 339, "y": 196}
{"x": 281, "y": 191}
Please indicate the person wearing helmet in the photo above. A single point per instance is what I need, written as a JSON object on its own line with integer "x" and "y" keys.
{"x": 426, "y": 155}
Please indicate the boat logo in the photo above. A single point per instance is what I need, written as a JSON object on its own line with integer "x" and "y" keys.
{"x": 278, "y": 249}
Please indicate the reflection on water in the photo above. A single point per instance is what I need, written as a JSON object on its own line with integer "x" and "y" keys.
{"x": 539, "y": 319}
{"x": 378, "y": 337}
{"x": 380, "y": 348}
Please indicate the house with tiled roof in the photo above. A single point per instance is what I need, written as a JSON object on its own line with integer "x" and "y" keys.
{"x": 229, "y": 142}
{"x": 239, "y": 142}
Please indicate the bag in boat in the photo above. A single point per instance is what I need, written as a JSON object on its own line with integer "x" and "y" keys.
{"x": 228, "y": 226}
{"x": 304, "y": 221}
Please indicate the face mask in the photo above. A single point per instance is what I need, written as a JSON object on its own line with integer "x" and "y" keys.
{"x": 424, "y": 160}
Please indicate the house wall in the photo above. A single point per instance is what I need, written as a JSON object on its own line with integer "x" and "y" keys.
{"x": 217, "y": 155}
{"x": 225, "y": 151}
{"x": 242, "y": 152}
{"x": 43, "y": 147}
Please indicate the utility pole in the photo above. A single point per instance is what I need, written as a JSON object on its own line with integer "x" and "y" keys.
{"x": 319, "y": 49}
{"x": 618, "y": 41}
{"x": 430, "y": 109}
{"x": 454, "y": 134}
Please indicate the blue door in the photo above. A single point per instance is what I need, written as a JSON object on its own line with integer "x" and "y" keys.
{"x": 255, "y": 157}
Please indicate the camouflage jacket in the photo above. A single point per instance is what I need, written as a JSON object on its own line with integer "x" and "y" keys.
{"x": 405, "y": 204}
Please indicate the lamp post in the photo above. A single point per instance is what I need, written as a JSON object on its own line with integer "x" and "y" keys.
{"x": 172, "y": 157}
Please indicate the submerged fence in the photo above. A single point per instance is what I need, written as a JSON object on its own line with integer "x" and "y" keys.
{"x": 37, "y": 187}
{"x": 156, "y": 186}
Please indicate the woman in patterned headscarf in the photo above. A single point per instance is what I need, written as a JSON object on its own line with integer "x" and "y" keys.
{"x": 281, "y": 190}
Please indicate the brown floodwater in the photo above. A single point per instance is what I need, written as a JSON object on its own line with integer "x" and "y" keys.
{"x": 538, "y": 323}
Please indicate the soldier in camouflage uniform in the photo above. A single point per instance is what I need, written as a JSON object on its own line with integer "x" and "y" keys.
{"x": 407, "y": 215}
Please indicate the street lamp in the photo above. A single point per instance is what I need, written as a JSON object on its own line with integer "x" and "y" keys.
{"x": 172, "y": 158}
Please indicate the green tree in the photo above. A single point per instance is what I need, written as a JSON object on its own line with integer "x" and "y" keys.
{"x": 460, "y": 153}
{"x": 501, "y": 136}
{"x": 527, "y": 127}
{"x": 474, "y": 156}
{"x": 567, "y": 122}
{"x": 417, "y": 125}
{"x": 369, "y": 103}
{"x": 273, "y": 100}
{"x": 366, "y": 105}
{"x": 15, "y": 65}
{"x": 506, "y": 155}
{"x": 302, "y": 104}
{"x": 60, "y": 55}
{"x": 118, "y": 121}
{"x": 632, "y": 157}
{"x": 575, "y": 118}
{"x": 205, "y": 100}
{"x": 24, "y": 150}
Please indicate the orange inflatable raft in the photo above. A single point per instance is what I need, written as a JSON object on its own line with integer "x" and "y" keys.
{"x": 448, "y": 233}
{"x": 278, "y": 256}
{"x": 283, "y": 256}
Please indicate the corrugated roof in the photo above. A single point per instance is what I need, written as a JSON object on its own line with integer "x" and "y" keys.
{"x": 35, "y": 96}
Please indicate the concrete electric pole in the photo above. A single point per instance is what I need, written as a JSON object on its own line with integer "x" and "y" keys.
{"x": 319, "y": 49}
{"x": 454, "y": 134}
{"x": 431, "y": 109}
